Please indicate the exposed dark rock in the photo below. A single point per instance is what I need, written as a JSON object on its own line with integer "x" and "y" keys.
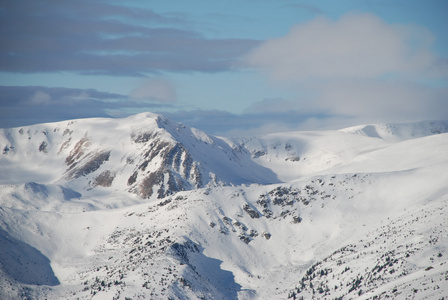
{"x": 105, "y": 179}
{"x": 296, "y": 219}
{"x": 133, "y": 178}
{"x": 196, "y": 176}
{"x": 266, "y": 235}
{"x": 91, "y": 165}
{"x": 7, "y": 149}
{"x": 164, "y": 202}
{"x": 43, "y": 147}
{"x": 244, "y": 238}
{"x": 143, "y": 165}
{"x": 176, "y": 172}
{"x": 147, "y": 184}
{"x": 143, "y": 137}
{"x": 293, "y": 158}
{"x": 264, "y": 201}
{"x": 64, "y": 145}
{"x": 227, "y": 220}
{"x": 251, "y": 211}
{"x": 258, "y": 154}
{"x": 223, "y": 230}
{"x": 283, "y": 196}
{"x": 253, "y": 233}
{"x": 182, "y": 250}
{"x": 240, "y": 225}
{"x": 157, "y": 148}
{"x": 77, "y": 151}
{"x": 175, "y": 184}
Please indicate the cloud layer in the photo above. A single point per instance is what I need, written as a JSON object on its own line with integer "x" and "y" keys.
{"x": 20, "y": 106}
{"x": 359, "y": 68}
{"x": 96, "y": 37}
{"x": 355, "y": 46}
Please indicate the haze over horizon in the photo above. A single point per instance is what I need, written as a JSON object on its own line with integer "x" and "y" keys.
{"x": 230, "y": 68}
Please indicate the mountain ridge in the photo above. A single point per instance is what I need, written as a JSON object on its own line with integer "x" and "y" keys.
{"x": 307, "y": 206}
{"x": 179, "y": 157}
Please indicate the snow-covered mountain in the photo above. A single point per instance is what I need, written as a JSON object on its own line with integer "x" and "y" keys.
{"x": 147, "y": 208}
{"x": 146, "y": 154}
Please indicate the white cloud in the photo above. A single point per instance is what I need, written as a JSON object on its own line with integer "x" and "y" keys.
{"x": 377, "y": 101}
{"x": 158, "y": 90}
{"x": 39, "y": 98}
{"x": 357, "y": 69}
{"x": 355, "y": 46}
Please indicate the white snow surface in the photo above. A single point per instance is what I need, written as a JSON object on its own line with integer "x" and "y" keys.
{"x": 354, "y": 213}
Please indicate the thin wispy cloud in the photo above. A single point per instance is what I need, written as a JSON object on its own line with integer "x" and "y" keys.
{"x": 158, "y": 90}
{"x": 223, "y": 123}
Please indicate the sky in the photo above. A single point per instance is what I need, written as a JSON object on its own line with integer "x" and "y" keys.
{"x": 230, "y": 68}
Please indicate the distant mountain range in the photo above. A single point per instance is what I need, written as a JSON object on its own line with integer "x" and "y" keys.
{"x": 147, "y": 208}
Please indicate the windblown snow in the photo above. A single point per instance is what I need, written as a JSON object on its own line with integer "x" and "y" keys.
{"x": 147, "y": 208}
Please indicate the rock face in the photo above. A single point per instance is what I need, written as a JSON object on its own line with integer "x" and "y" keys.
{"x": 175, "y": 170}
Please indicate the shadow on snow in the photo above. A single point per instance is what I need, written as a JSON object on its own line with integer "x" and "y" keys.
{"x": 205, "y": 273}
{"x": 24, "y": 263}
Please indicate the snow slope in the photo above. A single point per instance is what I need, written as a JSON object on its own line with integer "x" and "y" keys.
{"x": 399, "y": 132}
{"x": 304, "y": 214}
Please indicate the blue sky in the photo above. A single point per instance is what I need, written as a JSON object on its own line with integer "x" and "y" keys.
{"x": 230, "y": 67}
